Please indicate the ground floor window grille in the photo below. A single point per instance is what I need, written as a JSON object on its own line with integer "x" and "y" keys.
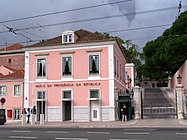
{"x": 40, "y": 94}
{"x": 94, "y": 93}
{"x": 95, "y": 114}
{"x": 16, "y": 114}
{"x": 67, "y": 94}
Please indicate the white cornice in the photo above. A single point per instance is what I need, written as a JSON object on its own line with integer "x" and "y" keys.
{"x": 69, "y": 46}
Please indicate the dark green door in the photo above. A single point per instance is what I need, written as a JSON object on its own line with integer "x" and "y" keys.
{"x": 67, "y": 110}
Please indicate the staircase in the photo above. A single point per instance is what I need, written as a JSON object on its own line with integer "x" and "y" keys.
{"x": 157, "y": 104}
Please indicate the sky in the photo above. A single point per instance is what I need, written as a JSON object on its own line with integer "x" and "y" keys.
{"x": 138, "y": 21}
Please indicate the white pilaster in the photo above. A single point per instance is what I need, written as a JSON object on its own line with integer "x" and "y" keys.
{"x": 137, "y": 102}
{"x": 180, "y": 101}
{"x": 26, "y": 81}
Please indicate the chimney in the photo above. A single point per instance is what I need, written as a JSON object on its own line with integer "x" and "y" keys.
{"x": 5, "y": 46}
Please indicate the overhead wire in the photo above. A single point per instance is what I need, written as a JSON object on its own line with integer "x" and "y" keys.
{"x": 65, "y": 11}
{"x": 97, "y": 18}
{"x": 53, "y": 13}
{"x": 86, "y": 20}
{"x": 139, "y": 28}
{"x": 114, "y": 31}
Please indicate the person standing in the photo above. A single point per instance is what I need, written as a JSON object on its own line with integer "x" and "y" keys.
{"x": 33, "y": 117}
{"x": 124, "y": 113}
{"x": 28, "y": 115}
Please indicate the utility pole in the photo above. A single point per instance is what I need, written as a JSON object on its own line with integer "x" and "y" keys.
{"x": 42, "y": 99}
{"x": 179, "y": 7}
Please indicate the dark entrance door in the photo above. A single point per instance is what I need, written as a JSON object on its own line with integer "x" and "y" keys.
{"x": 40, "y": 109}
{"x": 67, "y": 110}
{"x": 124, "y": 100}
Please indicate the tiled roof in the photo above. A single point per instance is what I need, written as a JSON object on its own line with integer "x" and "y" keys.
{"x": 12, "y": 47}
{"x": 16, "y": 74}
{"x": 83, "y": 37}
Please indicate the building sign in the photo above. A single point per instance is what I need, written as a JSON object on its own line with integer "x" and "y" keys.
{"x": 68, "y": 84}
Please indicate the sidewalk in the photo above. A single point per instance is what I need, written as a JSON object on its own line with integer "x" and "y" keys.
{"x": 148, "y": 123}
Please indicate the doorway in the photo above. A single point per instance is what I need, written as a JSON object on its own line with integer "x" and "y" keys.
{"x": 66, "y": 110}
{"x": 95, "y": 110}
{"x": 40, "y": 109}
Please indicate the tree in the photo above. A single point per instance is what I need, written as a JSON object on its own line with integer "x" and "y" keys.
{"x": 133, "y": 56}
{"x": 130, "y": 50}
{"x": 164, "y": 55}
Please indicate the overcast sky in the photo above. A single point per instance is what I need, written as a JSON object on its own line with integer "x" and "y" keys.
{"x": 144, "y": 17}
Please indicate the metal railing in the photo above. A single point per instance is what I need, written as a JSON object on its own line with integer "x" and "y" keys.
{"x": 159, "y": 110}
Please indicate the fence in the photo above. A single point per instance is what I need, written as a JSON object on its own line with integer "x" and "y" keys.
{"x": 159, "y": 110}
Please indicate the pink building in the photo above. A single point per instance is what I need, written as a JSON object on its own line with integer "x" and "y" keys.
{"x": 11, "y": 80}
{"x": 11, "y": 88}
{"x": 76, "y": 76}
{"x": 130, "y": 75}
{"x": 182, "y": 71}
{"x": 12, "y": 56}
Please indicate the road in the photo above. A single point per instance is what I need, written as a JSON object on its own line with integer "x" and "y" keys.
{"x": 92, "y": 133}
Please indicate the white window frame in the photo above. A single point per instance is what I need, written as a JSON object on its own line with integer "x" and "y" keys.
{"x": 99, "y": 65}
{"x": 17, "y": 91}
{"x": 16, "y": 113}
{"x": 97, "y": 98}
{"x": 66, "y": 99}
{"x": 3, "y": 89}
{"x": 44, "y": 94}
{"x": 68, "y": 37}
{"x": 42, "y": 58}
{"x": 62, "y": 68}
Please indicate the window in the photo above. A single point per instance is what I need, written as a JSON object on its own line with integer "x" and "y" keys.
{"x": 115, "y": 66}
{"x": 66, "y": 66}
{"x": 17, "y": 90}
{"x": 126, "y": 74}
{"x": 94, "y": 64}
{"x": 40, "y": 95}
{"x": 16, "y": 114}
{"x": 67, "y": 94}
{"x": 94, "y": 93}
{"x": 68, "y": 38}
{"x": 120, "y": 71}
{"x": 41, "y": 67}
{"x": 95, "y": 114}
{"x": 3, "y": 89}
{"x": 9, "y": 60}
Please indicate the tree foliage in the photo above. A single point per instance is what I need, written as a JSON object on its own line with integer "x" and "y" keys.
{"x": 133, "y": 56}
{"x": 130, "y": 50}
{"x": 164, "y": 55}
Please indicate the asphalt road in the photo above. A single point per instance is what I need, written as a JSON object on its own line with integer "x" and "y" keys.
{"x": 92, "y": 134}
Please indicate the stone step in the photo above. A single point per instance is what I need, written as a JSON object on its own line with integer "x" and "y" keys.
{"x": 157, "y": 105}
{"x": 155, "y": 97}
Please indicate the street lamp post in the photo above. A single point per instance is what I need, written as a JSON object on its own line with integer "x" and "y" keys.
{"x": 32, "y": 114}
{"x": 180, "y": 98}
{"x": 42, "y": 98}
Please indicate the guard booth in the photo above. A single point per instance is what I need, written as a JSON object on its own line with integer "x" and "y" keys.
{"x": 2, "y": 116}
{"x": 126, "y": 100}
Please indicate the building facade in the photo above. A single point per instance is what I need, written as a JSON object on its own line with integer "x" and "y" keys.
{"x": 12, "y": 80}
{"x": 12, "y": 56}
{"x": 173, "y": 83}
{"x": 77, "y": 76}
{"x": 11, "y": 89}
